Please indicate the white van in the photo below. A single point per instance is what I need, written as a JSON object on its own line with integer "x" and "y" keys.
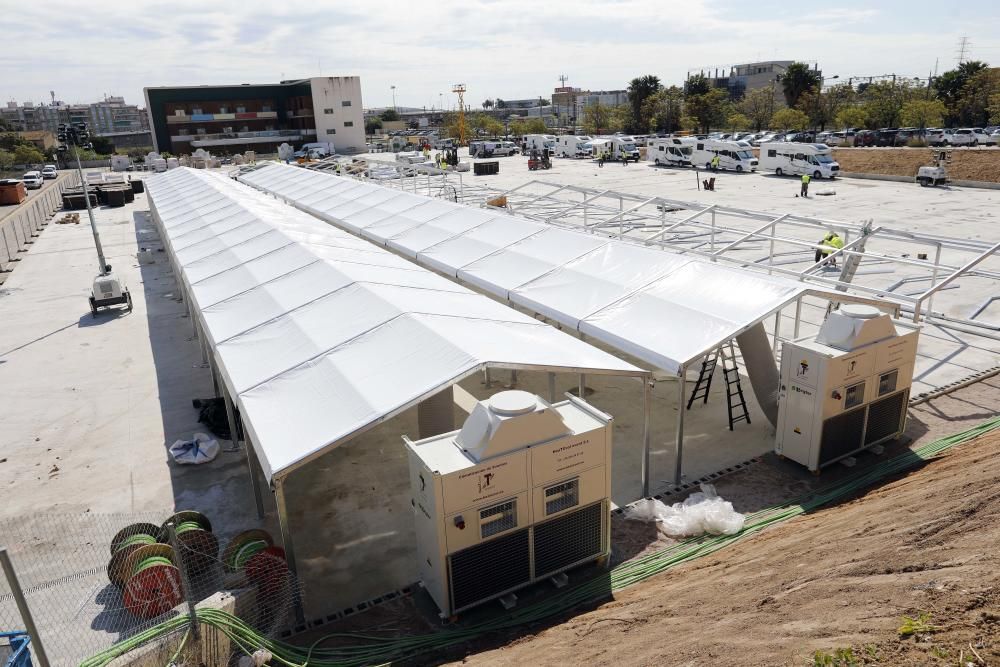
{"x": 734, "y": 155}
{"x": 539, "y": 142}
{"x": 797, "y": 159}
{"x": 316, "y": 149}
{"x": 672, "y": 151}
{"x": 570, "y": 145}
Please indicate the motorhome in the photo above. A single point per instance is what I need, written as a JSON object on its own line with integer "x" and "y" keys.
{"x": 671, "y": 151}
{"x": 539, "y": 142}
{"x": 797, "y": 159}
{"x": 734, "y": 155}
{"x": 623, "y": 146}
{"x": 570, "y": 145}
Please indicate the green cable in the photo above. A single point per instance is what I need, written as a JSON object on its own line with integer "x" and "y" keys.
{"x": 152, "y": 561}
{"x": 138, "y": 538}
{"x": 381, "y": 649}
{"x": 246, "y": 552}
{"x": 187, "y": 526}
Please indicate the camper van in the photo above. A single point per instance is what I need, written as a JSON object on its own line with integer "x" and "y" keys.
{"x": 539, "y": 142}
{"x": 672, "y": 151}
{"x": 569, "y": 145}
{"x": 734, "y": 155}
{"x": 793, "y": 158}
{"x": 623, "y": 145}
{"x": 492, "y": 148}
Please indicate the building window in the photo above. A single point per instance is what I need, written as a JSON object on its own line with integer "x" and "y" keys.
{"x": 201, "y": 130}
{"x": 349, "y": 123}
{"x": 327, "y": 111}
{"x": 196, "y": 111}
{"x": 345, "y": 103}
{"x": 241, "y": 109}
{"x": 223, "y": 109}
{"x": 266, "y": 108}
{"x": 331, "y": 131}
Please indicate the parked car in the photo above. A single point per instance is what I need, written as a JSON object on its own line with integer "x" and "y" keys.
{"x": 32, "y": 180}
{"x": 935, "y": 136}
{"x": 49, "y": 171}
{"x": 864, "y": 138}
{"x": 995, "y": 135}
{"x": 964, "y": 136}
{"x": 983, "y": 137}
{"x": 843, "y": 138}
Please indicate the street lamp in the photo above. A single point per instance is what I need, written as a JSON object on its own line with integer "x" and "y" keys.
{"x": 393, "y": 98}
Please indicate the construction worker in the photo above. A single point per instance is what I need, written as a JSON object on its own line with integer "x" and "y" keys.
{"x": 600, "y": 159}
{"x": 829, "y": 244}
{"x": 805, "y": 186}
{"x": 715, "y": 162}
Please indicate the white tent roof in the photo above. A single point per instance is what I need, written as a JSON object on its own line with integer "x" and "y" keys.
{"x": 667, "y": 309}
{"x": 319, "y": 334}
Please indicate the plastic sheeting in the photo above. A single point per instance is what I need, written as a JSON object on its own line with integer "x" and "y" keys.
{"x": 664, "y": 308}
{"x": 318, "y": 334}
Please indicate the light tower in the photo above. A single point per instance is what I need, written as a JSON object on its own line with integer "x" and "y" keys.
{"x": 460, "y": 89}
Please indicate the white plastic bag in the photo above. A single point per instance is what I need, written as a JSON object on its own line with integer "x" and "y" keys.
{"x": 701, "y": 512}
{"x": 200, "y": 449}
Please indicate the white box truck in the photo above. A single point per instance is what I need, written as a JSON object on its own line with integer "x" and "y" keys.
{"x": 670, "y": 151}
{"x": 733, "y": 155}
{"x": 540, "y": 142}
{"x": 570, "y": 145}
{"x": 797, "y": 159}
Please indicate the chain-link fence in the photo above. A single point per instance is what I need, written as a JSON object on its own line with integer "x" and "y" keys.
{"x": 146, "y": 587}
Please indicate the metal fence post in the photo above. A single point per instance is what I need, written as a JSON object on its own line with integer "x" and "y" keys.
{"x": 185, "y": 579}
{"x": 22, "y": 607}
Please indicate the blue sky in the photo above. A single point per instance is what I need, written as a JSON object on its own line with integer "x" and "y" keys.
{"x": 498, "y": 48}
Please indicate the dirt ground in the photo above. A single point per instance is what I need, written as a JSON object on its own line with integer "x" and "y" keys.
{"x": 971, "y": 164}
{"x": 839, "y": 581}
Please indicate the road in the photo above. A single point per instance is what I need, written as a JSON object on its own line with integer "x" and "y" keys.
{"x": 11, "y": 208}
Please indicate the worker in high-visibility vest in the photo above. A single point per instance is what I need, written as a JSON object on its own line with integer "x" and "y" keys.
{"x": 828, "y": 244}
{"x": 715, "y": 162}
{"x": 805, "y": 185}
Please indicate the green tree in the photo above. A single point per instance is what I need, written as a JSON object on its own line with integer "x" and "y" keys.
{"x": 372, "y": 123}
{"x": 822, "y": 106}
{"x": 535, "y": 126}
{"x": 389, "y": 115}
{"x": 758, "y": 106}
{"x": 922, "y": 113}
{"x": 797, "y": 79}
{"x": 596, "y": 118}
{"x": 974, "y": 104}
{"x": 500, "y": 104}
{"x": 709, "y": 108}
{"x": 950, "y": 86}
{"x": 883, "y": 101}
{"x": 853, "y": 116}
{"x": 697, "y": 85}
{"x": 641, "y": 89}
{"x": 518, "y": 127}
{"x": 28, "y": 154}
{"x": 737, "y": 121}
{"x": 102, "y": 145}
{"x": 619, "y": 118}
{"x": 790, "y": 119}
{"x": 10, "y": 140}
{"x": 689, "y": 123}
{"x": 493, "y": 127}
{"x": 663, "y": 110}
{"x": 487, "y": 104}
{"x": 6, "y": 160}
{"x": 994, "y": 109}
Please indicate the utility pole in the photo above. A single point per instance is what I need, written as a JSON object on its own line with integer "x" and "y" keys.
{"x": 78, "y": 136}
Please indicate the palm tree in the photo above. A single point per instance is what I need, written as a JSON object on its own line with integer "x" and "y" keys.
{"x": 797, "y": 79}
{"x": 487, "y": 104}
{"x": 639, "y": 89}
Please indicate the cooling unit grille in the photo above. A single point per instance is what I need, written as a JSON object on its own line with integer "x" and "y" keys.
{"x": 885, "y": 417}
{"x": 488, "y": 569}
{"x": 562, "y": 496}
{"x": 842, "y": 435}
{"x": 569, "y": 539}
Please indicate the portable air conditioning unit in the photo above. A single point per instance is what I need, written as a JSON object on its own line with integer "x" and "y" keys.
{"x": 519, "y": 494}
{"x": 847, "y": 388}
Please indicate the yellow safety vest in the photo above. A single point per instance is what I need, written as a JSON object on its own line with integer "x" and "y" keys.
{"x": 805, "y": 179}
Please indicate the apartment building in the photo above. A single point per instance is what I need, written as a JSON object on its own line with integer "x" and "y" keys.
{"x": 259, "y": 117}
{"x": 110, "y": 116}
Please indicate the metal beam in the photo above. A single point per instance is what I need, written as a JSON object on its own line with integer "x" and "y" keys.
{"x": 679, "y": 441}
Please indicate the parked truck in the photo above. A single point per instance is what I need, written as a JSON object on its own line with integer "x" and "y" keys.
{"x": 670, "y": 151}
{"x": 575, "y": 146}
{"x": 797, "y": 159}
{"x": 733, "y": 155}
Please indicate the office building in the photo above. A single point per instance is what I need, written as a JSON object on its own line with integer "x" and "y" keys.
{"x": 258, "y": 117}
{"x": 738, "y": 80}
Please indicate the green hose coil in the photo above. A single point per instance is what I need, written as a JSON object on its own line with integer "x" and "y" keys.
{"x": 376, "y": 649}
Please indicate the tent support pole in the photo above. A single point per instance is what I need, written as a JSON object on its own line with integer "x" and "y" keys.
{"x": 582, "y": 386}
{"x": 252, "y": 464}
{"x": 552, "y": 387}
{"x": 286, "y": 541}
{"x": 798, "y": 316}
{"x": 679, "y": 442}
{"x": 647, "y": 408}
{"x": 513, "y": 378}
{"x": 777, "y": 330}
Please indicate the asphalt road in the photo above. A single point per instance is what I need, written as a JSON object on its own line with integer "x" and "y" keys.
{"x": 11, "y": 208}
